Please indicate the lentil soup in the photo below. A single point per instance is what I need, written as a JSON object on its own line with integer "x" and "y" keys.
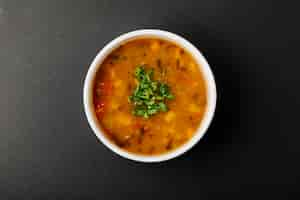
{"x": 149, "y": 96}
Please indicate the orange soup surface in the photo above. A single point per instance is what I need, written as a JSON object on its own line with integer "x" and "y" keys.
{"x": 115, "y": 82}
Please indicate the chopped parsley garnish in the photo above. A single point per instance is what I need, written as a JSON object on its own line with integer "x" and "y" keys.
{"x": 150, "y": 96}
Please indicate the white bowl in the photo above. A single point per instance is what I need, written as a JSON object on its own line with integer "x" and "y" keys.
{"x": 159, "y": 34}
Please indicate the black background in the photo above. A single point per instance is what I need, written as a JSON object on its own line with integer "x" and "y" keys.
{"x": 48, "y": 151}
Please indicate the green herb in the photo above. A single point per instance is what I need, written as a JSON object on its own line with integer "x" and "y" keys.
{"x": 150, "y": 96}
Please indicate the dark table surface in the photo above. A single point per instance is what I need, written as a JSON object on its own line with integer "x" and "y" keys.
{"x": 48, "y": 151}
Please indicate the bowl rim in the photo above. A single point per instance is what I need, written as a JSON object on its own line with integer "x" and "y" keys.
{"x": 159, "y": 34}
